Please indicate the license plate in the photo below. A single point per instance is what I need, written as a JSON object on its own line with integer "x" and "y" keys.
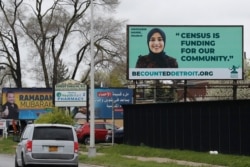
{"x": 53, "y": 148}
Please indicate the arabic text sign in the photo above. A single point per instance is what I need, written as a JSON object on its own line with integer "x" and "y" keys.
{"x": 107, "y": 100}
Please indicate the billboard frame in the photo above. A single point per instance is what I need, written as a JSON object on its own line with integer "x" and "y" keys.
{"x": 29, "y": 102}
{"x": 209, "y": 73}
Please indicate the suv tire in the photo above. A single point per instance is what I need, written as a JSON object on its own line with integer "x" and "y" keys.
{"x": 16, "y": 164}
{"x": 23, "y": 163}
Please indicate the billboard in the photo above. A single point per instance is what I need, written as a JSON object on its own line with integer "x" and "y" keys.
{"x": 26, "y": 103}
{"x": 184, "y": 52}
{"x": 108, "y": 100}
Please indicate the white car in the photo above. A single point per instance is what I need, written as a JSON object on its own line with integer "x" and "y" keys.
{"x": 47, "y": 144}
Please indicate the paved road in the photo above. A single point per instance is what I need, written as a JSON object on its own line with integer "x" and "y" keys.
{"x": 8, "y": 161}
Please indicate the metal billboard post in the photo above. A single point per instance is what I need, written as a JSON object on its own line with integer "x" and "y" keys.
{"x": 113, "y": 122}
{"x": 92, "y": 149}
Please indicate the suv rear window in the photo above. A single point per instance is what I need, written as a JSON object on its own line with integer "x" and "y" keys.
{"x": 53, "y": 133}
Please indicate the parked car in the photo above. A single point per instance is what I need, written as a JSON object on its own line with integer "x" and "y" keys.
{"x": 77, "y": 125}
{"x": 47, "y": 144}
{"x": 101, "y": 130}
{"x": 118, "y": 136}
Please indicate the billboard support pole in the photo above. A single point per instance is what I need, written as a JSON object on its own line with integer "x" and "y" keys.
{"x": 92, "y": 149}
{"x": 113, "y": 122}
{"x": 185, "y": 91}
{"x": 135, "y": 91}
{"x": 87, "y": 105}
{"x": 234, "y": 89}
{"x": 155, "y": 82}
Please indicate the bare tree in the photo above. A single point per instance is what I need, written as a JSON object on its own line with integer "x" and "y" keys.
{"x": 10, "y": 57}
{"x": 49, "y": 31}
{"x": 59, "y": 28}
{"x": 61, "y": 32}
{"x": 109, "y": 46}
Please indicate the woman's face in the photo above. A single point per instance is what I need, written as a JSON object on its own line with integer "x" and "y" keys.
{"x": 156, "y": 43}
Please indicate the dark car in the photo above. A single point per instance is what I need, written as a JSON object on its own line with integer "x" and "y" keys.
{"x": 101, "y": 130}
{"x": 118, "y": 136}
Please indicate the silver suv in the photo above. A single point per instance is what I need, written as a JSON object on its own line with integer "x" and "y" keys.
{"x": 47, "y": 144}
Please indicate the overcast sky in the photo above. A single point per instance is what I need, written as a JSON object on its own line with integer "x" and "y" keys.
{"x": 188, "y": 12}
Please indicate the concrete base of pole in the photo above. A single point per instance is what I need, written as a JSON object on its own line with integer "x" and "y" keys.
{"x": 92, "y": 152}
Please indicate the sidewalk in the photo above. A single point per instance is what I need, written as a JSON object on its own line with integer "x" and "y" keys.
{"x": 168, "y": 160}
{"x": 164, "y": 160}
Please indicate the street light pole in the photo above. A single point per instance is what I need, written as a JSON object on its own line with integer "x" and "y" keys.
{"x": 92, "y": 149}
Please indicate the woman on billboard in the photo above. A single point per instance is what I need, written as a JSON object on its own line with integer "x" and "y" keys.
{"x": 157, "y": 58}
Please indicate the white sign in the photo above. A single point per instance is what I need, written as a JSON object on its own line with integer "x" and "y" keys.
{"x": 70, "y": 93}
{"x": 3, "y": 127}
{"x": 68, "y": 98}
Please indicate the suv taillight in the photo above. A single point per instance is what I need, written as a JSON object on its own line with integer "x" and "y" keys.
{"x": 29, "y": 146}
{"x": 76, "y": 147}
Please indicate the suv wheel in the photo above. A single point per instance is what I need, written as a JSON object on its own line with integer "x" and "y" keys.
{"x": 23, "y": 163}
{"x": 16, "y": 164}
{"x": 86, "y": 140}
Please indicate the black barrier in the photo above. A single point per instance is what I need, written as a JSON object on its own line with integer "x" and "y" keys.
{"x": 200, "y": 126}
